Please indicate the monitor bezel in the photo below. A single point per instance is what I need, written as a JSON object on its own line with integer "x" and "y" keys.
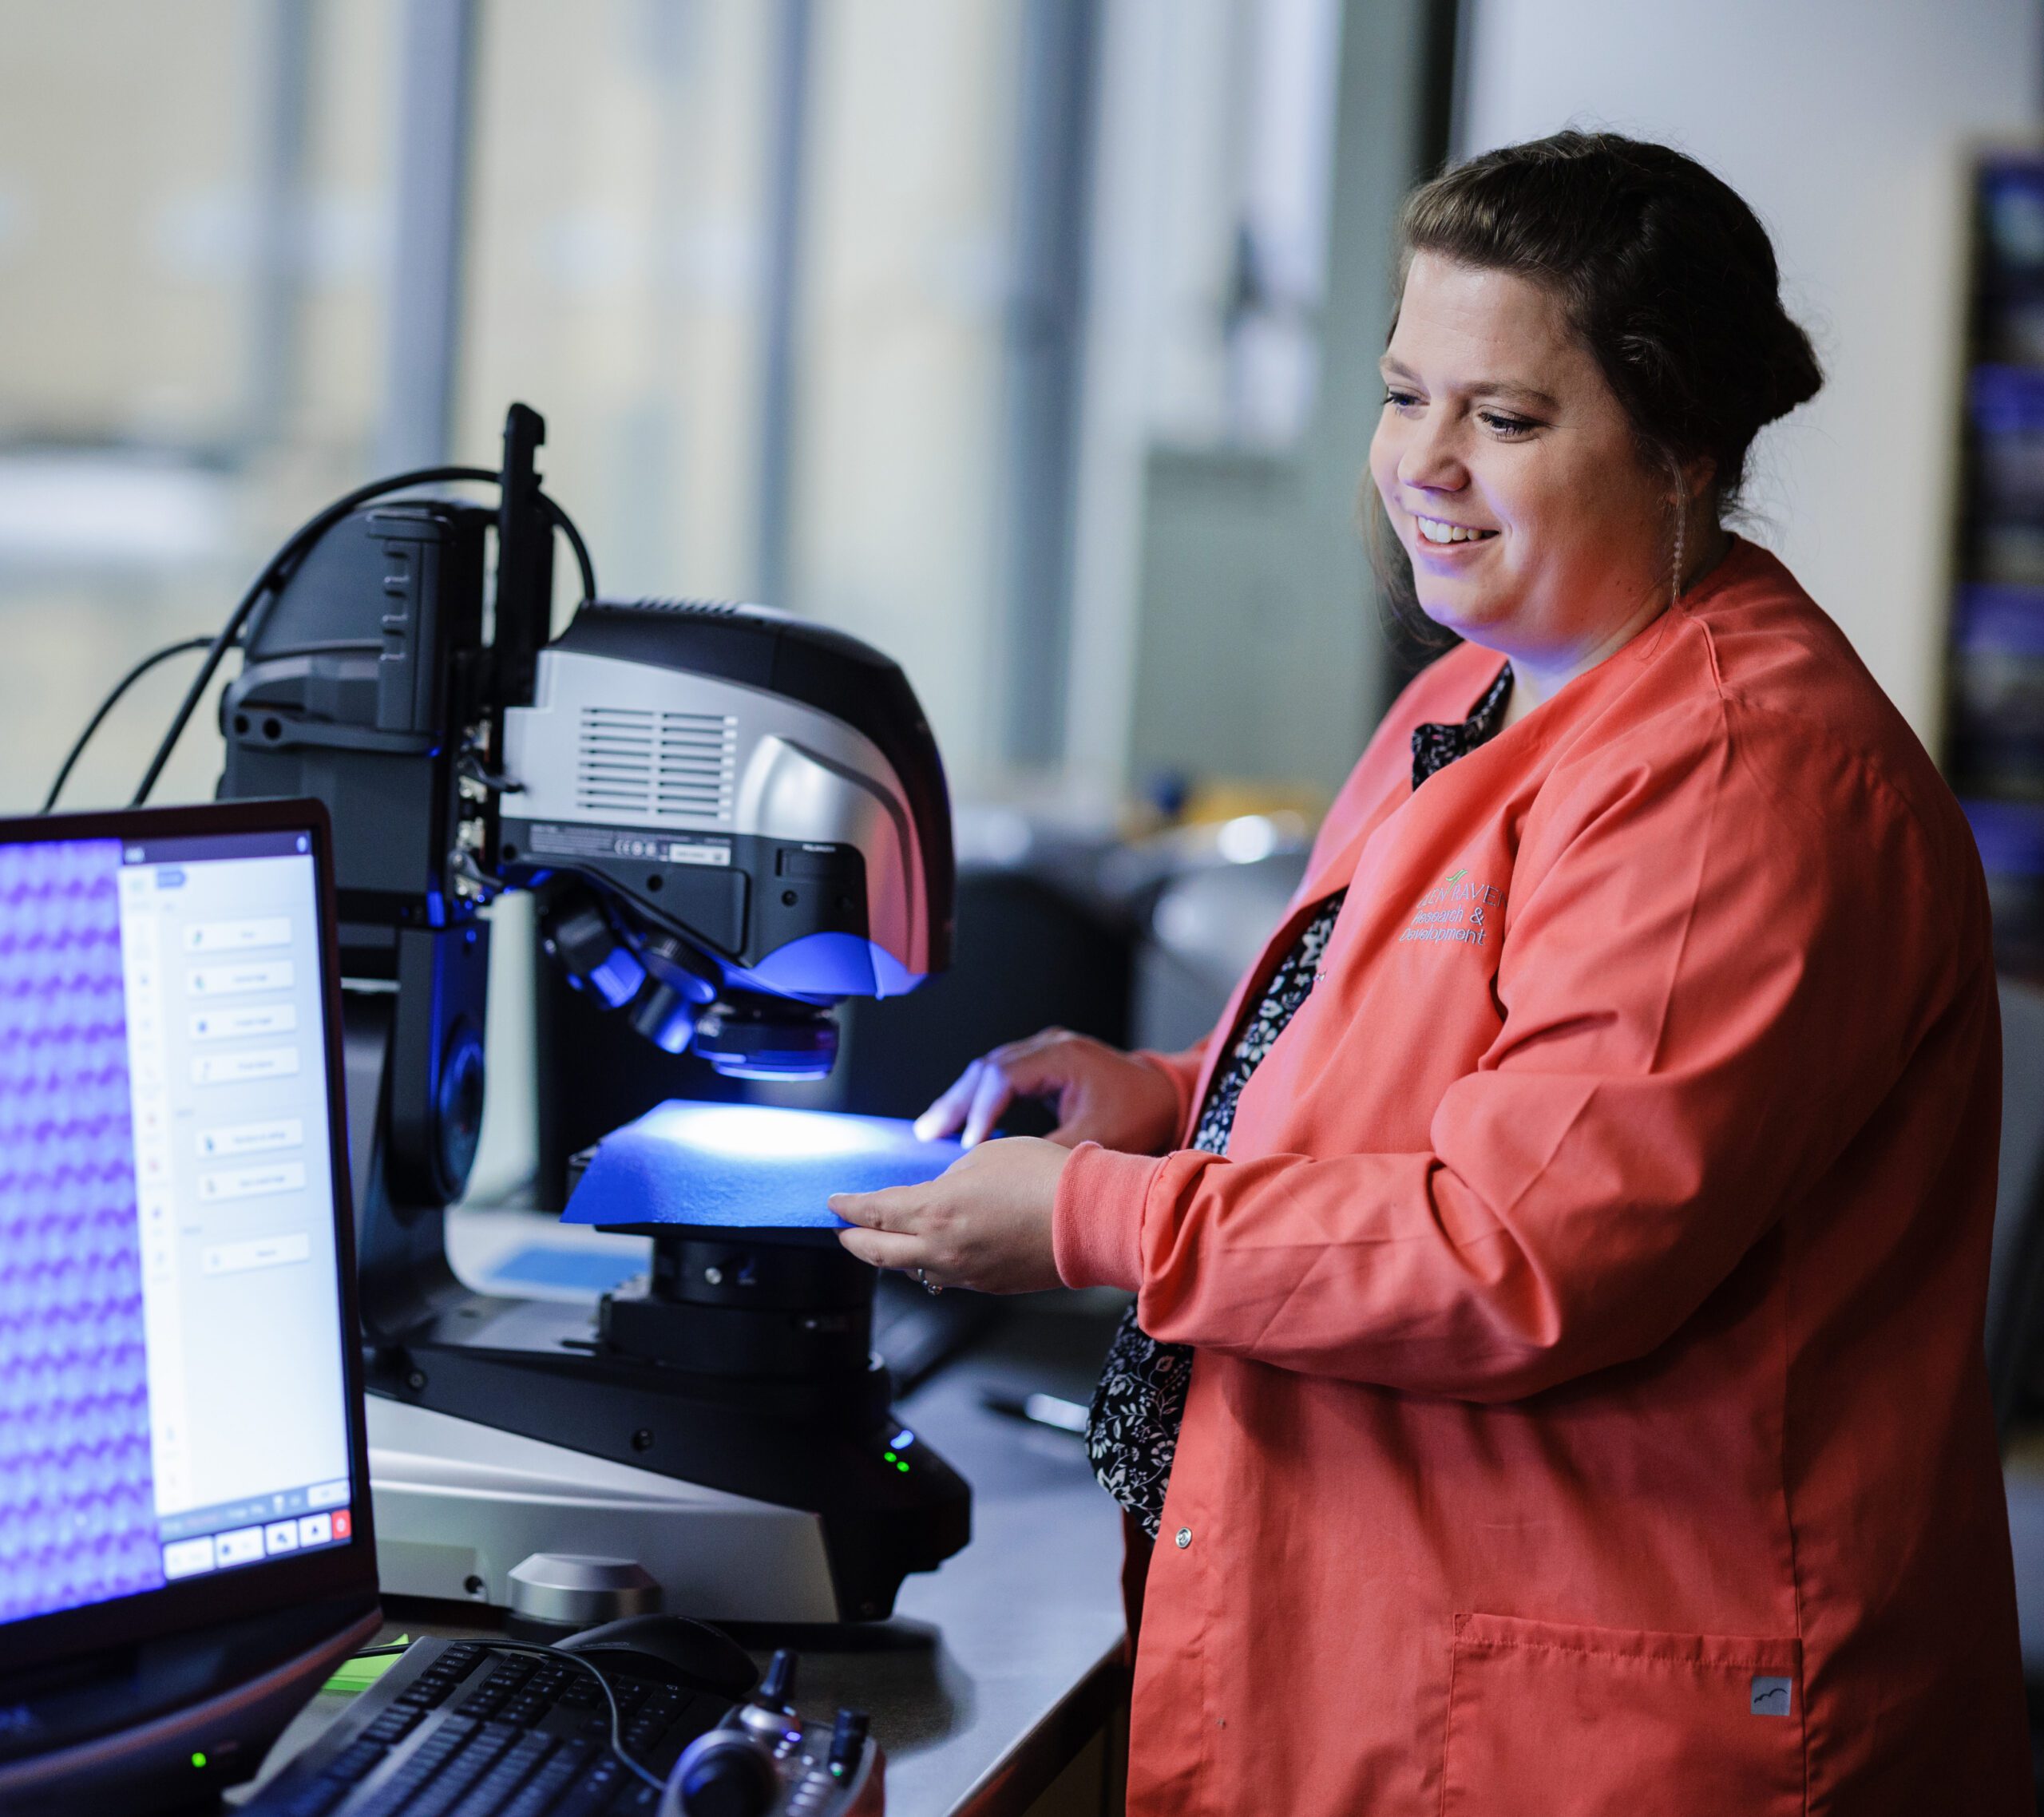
{"x": 330, "y": 1573}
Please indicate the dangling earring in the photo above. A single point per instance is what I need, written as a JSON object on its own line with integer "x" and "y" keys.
{"x": 1675, "y": 591}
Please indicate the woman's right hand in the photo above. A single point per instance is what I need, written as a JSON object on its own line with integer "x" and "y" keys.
{"x": 1099, "y": 1094}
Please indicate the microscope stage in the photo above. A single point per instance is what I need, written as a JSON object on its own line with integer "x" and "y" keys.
{"x": 747, "y": 1166}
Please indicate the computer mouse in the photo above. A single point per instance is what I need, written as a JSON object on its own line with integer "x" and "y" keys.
{"x": 672, "y": 1648}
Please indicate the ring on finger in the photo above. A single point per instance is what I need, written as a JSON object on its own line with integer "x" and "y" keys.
{"x": 929, "y": 1286}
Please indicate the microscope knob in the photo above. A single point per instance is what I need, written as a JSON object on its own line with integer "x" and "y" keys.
{"x": 848, "y": 1740}
{"x": 724, "y": 1774}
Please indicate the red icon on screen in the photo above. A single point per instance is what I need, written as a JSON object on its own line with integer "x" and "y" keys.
{"x": 342, "y": 1525}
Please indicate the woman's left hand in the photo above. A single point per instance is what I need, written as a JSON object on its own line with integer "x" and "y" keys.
{"x": 984, "y": 1223}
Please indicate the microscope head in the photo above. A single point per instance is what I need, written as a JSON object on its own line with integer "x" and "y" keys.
{"x": 735, "y": 819}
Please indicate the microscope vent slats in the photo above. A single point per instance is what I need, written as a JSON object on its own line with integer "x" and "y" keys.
{"x": 656, "y": 763}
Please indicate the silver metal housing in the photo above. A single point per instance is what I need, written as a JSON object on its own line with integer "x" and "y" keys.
{"x": 460, "y": 1505}
{"x": 621, "y": 744}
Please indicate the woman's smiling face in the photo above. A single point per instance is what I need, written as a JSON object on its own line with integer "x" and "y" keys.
{"x": 1512, "y": 476}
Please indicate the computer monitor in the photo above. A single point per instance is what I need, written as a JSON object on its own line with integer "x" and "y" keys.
{"x": 185, "y": 1543}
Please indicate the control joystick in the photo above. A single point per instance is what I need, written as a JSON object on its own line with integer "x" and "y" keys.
{"x": 758, "y": 1762}
{"x": 777, "y": 1689}
{"x": 847, "y": 1742}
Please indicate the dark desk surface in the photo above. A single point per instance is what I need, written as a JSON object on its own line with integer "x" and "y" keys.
{"x": 997, "y": 1668}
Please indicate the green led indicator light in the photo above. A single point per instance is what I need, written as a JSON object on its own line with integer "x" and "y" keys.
{"x": 890, "y": 1457}
{"x": 199, "y": 1760}
{"x": 903, "y": 1468}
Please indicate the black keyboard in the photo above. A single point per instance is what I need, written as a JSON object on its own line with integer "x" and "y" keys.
{"x": 463, "y": 1729}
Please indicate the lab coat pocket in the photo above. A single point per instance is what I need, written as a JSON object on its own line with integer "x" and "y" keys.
{"x": 1545, "y": 1720}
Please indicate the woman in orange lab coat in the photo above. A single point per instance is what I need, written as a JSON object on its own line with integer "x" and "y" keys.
{"x": 1556, "y": 1375}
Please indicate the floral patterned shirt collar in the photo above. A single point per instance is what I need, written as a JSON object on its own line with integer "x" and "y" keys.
{"x": 1436, "y": 746}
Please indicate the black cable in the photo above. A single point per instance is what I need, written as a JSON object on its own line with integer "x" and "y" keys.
{"x": 277, "y": 569}
{"x": 106, "y": 707}
{"x": 565, "y": 526}
{"x": 274, "y": 570}
{"x": 603, "y": 1683}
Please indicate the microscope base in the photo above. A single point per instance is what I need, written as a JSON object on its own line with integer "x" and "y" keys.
{"x": 458, "y": 1505}
{"x": 543, "y": 1439}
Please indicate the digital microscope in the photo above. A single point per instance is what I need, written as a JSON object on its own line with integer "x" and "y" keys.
{"x": 731, "y": 820}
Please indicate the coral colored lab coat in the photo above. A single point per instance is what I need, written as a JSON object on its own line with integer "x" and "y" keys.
{"x": 1589, "y": 1413}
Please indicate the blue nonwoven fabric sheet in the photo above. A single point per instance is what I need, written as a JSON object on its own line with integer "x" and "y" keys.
{"x": 748, "y": 1166}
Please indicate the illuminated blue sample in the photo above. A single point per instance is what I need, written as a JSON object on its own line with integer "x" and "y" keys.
{"x": 748, "y": 1166}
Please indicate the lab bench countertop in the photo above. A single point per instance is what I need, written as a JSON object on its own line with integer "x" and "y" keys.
{"x": 998, "y": 1669}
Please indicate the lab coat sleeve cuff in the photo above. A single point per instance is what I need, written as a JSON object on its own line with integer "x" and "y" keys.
{"x": 1097, "y": 1225}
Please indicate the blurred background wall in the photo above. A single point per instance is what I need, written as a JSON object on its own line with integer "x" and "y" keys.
{"x": 1033, "y": 339}
{"x": 194, "y": 203}
{"x": 1847, "y": 127}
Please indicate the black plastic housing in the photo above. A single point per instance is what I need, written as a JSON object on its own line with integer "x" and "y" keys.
{"x": 358, "y": 679}
{"x": 740, "y": 912}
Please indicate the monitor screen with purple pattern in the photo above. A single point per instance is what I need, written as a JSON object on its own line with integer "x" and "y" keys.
{"x": 172, "y": 1394}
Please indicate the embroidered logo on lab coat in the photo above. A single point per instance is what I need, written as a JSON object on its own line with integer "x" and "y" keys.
{"x": 1456, "y": 912}
{"x": 1773, "y": 1696}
